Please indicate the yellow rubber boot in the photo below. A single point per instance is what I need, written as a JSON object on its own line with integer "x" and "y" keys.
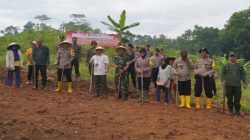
{"x": 188, "y": 98}
{"x": 198, "y": 102}
{"x": 209, "y": 103}
{"x": 59, "y": 87}
{"x": 70, "y": 87}
{"x": 182, "y": 101}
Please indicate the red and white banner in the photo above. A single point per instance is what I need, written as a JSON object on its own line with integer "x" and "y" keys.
{"x": 109, "y": 40}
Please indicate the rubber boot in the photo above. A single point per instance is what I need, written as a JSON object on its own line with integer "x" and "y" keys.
{"x": 188, "y": 98}
{"x": 59, "y": 87}
{"x": 209, "y": 103}
{"x": 198, "y": 102}
{"x": 182, "y": 97}
{"x": 70, "y": 87}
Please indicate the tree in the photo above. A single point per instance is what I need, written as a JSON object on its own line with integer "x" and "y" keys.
{"x": 29, "y": 26}
{"x": 10, "y": 30}
{"x": 236, "y": 35}
{"x": 120, "y": 27}
{"x": 42, "y": 18}
{"x": 78, "y": 24}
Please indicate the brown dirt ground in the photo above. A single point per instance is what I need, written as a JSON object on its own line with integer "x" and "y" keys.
{"x": 36, "y": 115}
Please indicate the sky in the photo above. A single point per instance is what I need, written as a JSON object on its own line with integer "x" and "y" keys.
{"x": 168, "y": 17}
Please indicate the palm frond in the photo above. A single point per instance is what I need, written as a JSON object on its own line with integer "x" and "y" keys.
{"x": 115, "y": 24}
{"x": 122, "y": 20}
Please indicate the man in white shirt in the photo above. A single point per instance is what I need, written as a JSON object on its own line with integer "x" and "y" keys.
{"x": 100, "y": 62}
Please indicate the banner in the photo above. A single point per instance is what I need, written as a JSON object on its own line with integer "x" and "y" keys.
{"x": 109, "y": 40}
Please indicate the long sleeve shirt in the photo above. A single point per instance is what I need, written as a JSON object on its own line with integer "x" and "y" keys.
{"x": 233, "y": 74}
{"x": 41, "y": 55}
{"x": 183, "y": 69}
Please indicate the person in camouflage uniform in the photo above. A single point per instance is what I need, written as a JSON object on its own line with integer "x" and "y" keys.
{"x": 121, "y": 64}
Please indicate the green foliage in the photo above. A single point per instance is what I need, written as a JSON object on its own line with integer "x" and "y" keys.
{"x": 119, "y": 27}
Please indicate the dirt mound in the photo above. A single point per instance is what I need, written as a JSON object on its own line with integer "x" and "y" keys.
{"x": 28, "y": 115}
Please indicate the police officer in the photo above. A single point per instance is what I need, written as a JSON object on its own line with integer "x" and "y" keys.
{"x": 183, "y": 68}
{"x": 65, "y": 55}
{"x": 143, "y": 69}
{"x": 121, "y": 63}
{"x": 156, "y": 61}
{"x": 231, "y": 76}
{"x": 204, "y": 69}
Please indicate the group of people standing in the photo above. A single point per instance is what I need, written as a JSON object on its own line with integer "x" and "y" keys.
{"x": 144, "y": 66}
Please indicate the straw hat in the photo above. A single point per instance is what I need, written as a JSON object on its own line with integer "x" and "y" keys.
{"x": 65, "y": 42}
{"x": 121, "y": 47}
{"x": 99, "y": 48}
{"x": 13, "y": 44}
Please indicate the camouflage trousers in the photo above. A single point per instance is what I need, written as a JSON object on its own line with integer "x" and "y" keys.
{"x": 121, "y": 85}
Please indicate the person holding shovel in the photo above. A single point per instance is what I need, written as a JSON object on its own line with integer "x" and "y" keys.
{"x": 14, "y": 63}
{"x": 232, "y": 75}
{"x": 100, "y": 62}
{"x": 121, "y": 64}
{"x": 143, "y": 69}
{"x": 183, "y": 68}
{"x": 204, "y": 69}
{"x": 65, "y": 55}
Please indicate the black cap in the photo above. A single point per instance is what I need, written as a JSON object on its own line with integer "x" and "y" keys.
{"x": 143, "y": 50}
{"x": 203, "y": 49}
{"x": 93, "y": 42}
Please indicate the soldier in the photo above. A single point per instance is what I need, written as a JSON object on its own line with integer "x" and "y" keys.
{"x": 121, "y": 64}
{"x": 143, "y": 69}
{"x": 183, "y": 67}
{"x": 41, "y": 59}
{"x": 90, "y": 53}
{"x": 156, "y": 62}
{"x": 65, "y": 55}
{"x": 132, "y": 58}
{"x": 204, "y": 69}
{"x": 231, "y": 76}
{"x": 77, "y": 58}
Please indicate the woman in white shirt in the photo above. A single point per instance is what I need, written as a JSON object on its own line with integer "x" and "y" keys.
{"x": 163, "y": 81}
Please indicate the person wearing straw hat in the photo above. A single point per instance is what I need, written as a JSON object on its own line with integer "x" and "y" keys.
{"x": 183, "y": 68}
{"x": 121, "y": 62}
{"x": 232, "y": 76}
{"x": 143, "y": 69}
{"x": 28, "y": 54}
{"x": 14, "y": 63}
{"x": 100, "y": 62}
{"x": 65, "y": 55}
{"x": 41, "y": 59}
{"x": 204, "y": 69}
